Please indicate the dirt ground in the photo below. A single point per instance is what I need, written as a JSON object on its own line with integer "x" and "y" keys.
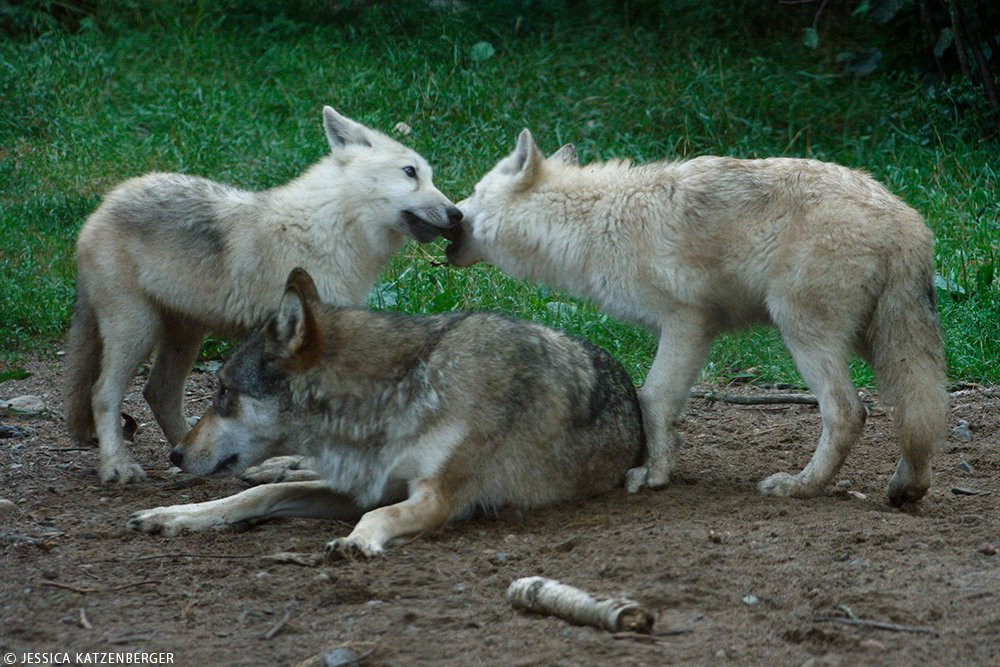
{"x": 735, "y": 578}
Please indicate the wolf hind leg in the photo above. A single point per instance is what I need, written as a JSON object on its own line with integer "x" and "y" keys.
{"x": 128, "y": 335}
{"x": 426, "y": 508}
{"x": 164, "y": 390}
{"x": 683, "y": 348}
{"x": 823, "y": 363}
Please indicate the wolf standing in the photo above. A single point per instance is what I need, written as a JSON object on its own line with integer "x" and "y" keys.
{"x": 168, "y": 258}
{"x": 437, "y": 415}
{"x": 694, "y": 248}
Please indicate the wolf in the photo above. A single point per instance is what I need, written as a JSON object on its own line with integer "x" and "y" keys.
{"x": 697, "y": 247}
{"x": 410, "y": 420}
{"x": 167, "y": 258}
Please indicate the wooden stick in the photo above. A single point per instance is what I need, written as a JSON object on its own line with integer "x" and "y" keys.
{"x": 768, "y": 399}
{"x": 547, "y": 596}
{"x": 879, "y": 625}
{"x": 91, "y": 589}
{"x": 276, "y": 628}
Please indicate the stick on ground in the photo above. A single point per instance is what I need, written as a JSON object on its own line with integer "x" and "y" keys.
{"x": 547, "y": 596}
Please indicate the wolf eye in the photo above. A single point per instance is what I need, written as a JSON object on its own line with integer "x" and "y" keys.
{"x": 410, "y": 171}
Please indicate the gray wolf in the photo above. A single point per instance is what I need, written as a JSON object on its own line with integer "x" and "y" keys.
{"x": 167, "y": 258}
{"x": 693, "y": 248}
{"x": 421, "y": 418}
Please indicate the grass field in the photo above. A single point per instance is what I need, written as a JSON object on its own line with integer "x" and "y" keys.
{"x": 239, "y": 99}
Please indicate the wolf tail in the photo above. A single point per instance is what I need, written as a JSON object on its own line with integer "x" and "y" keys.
{"x": 83, "y": 365}
{"x": 906, "y": 351}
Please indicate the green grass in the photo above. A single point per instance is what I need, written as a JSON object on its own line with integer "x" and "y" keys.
{"x": 239, "y": 99}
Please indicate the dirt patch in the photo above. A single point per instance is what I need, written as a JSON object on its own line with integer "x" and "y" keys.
{"x": 735, "y": 577}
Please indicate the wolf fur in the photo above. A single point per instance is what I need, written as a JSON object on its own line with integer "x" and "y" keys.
{"x": 693, "y": 248}
{"x": 434, "y": 416}
{"x": 167, "y": 258}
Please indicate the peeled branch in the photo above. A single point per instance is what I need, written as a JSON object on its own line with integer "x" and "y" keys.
{"x": 547, "y": 596}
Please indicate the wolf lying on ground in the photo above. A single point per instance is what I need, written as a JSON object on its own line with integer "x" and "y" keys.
{"x": 168, "y": 258}
{"x": 694, "y": 248}
{"x": 434, "y": 416}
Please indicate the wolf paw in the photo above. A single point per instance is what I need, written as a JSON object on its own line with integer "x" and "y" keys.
{"x": 168, "y": 521}
{"x": 279, "y": 469}
{"x": 646, "y": 477}
{"x": 900, "y": 493}
{"x": 783, "y": 485}
{"x": 347, "y": 548}
{"x": 123, "y": 471}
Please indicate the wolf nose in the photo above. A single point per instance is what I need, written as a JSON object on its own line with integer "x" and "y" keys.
{"x": 176, "y": 456}
{"x": 454, "y": 215}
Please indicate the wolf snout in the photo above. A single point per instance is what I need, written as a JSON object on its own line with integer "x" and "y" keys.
{"x": 454, "y": 215}
{"x": 176, "y": 456}
{"x": 427, "y": 225}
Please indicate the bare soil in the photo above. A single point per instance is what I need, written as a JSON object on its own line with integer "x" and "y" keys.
{"x": 735, "y": 578}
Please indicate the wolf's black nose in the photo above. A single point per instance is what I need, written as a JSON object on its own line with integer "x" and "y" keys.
{"x": 454, "y": 215}
{"x": 176, "y": 456}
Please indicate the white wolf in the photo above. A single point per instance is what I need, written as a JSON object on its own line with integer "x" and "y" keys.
{"x": 697, "y": 247}
{"x": 167, "y": 258}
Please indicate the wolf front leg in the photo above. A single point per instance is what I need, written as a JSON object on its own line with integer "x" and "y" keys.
{"x": 426, "y": 508}
{"x": 684, "y": 345}
{"x": 310, "y": 500}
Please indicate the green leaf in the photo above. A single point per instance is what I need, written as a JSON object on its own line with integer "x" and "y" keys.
{"x": 14, "y": 374}
{"x": 944, "y": 41}
{"x": 481, "y": 51}
{"x": 810, "y": 37}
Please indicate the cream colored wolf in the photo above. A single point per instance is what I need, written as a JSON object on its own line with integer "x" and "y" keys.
{"x": 168, "y": 258}
{"x": 433, "y": 416}
{"x": 694, "y": 248}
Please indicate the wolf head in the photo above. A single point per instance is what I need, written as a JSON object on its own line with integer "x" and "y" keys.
{"x": 518, "y": 172}
{"x": 390, "y": 181}
{"x": 248, "y": 420}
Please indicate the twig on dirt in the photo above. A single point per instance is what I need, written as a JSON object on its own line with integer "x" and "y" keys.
{"x": 277, "y": 627}
{"x": 128, "y": 639}
{"x": 854, "y": 619}
{"x": 547, "y": 596}
{"x": 91, "y": 589}
{"x": 769, "y": 399}
{"x": 181, "y": 554}
{"x": 84, "y": 621}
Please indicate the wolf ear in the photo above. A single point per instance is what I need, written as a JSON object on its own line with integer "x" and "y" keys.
{"x": 567, "y": 155}
{"x": 341, "y": 130}
{"x": 300, "y": 279}
{"x": 527, "y": 159}
{"x": 294, "y": 328}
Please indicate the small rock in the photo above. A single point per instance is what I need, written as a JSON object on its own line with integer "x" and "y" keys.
{"x": 751, "y": 600}
{"x": 28, "y": 404}
{"x": 965, "y": 467}
{"x": 403, "y": 128}
{"x": 721, "y": 653}
{"x": 962, "y": 431}
{"x": 845, "y": 483}
{"x": 714, "y": 537}
{"x": 987, "y": 549}
{"x": 6, "y": 507}
{"x": 872, "y": 645}
{"x": 858, "y": 495}
{"x": 12, "y": 432}
{"x": 500, "y": 557}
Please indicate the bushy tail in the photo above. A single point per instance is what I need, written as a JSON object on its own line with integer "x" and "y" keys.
{"x": 907, "y": 355}
{"x": 83, "y": 365}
